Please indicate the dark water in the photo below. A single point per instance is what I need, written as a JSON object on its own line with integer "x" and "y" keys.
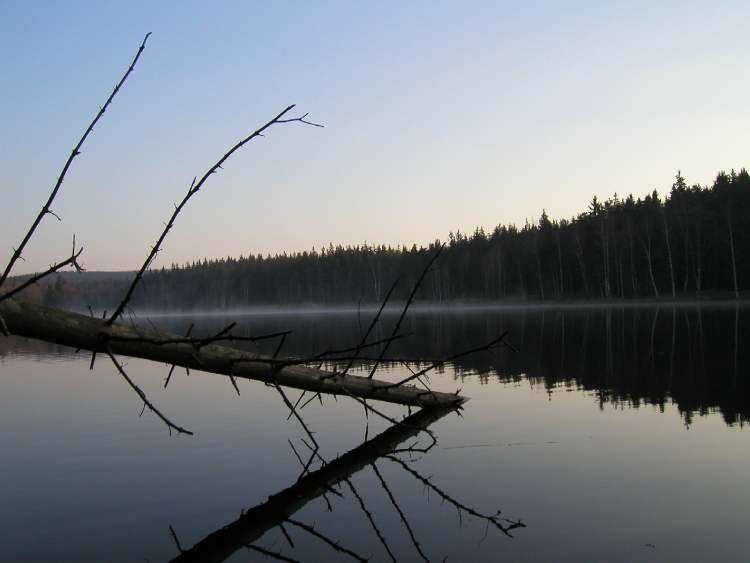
{"x": 614, "y": 434}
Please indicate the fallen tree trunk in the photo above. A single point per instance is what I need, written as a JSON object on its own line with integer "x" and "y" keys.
{"x": 22, "y": 318}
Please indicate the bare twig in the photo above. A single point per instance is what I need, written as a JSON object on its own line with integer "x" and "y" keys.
{"x": 271, "y": 554}
{"x": 73, "y": 154}
{"x": 332, "y": 354}
{"x": 171, "y": 425}
{"x": 256, "y": 521}
{"x": 171, "y": 370}
{"x": 408, "y": 304}
{"x": 194, "y": 189}
{"x": 296, "y": 414}
{"x": 296, "y": 403}
{"x": 176, "y": 539}
{"x": 440, "y": 363}
{"x": 401, "y": 514}
{"x": 370, "y": 519}
{"x": 305, "y": 466}
{"x": 374, "y": 321}
{"x": 311, "y": 399}
{"x": 286, "y": 535}
{"x": 503, "y": 524}
{"x": 334, "y": 544}
{"x": 373, "y": 409}
{"x": 70, "y": 261}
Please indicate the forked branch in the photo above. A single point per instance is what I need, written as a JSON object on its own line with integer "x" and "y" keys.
{"x": 70, "y": 261}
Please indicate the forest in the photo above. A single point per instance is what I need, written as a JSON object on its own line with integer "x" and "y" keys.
{"x": 691, "y": 243}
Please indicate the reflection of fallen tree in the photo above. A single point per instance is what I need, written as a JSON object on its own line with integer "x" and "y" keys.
{"x": 278, "y": 510}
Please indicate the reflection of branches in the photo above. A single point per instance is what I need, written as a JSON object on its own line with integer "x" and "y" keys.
{"x": 278, "y": 511}
{"x": 370, "y": 519}
{"x": 502, "y": 524}
{"x": 269, "y": 553}
{"x": 256, "y": 521}
{"x": 334, "y": 544}
{"x": 176, "y": 539}
{"x": 400, "y": 512}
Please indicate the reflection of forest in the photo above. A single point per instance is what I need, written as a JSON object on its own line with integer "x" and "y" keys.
{"x": 628, "y": 355}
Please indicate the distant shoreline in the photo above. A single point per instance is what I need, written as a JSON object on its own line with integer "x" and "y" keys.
{"x": 453, "y": 307}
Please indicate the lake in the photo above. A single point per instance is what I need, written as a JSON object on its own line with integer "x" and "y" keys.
{"x": 612, "y": 433}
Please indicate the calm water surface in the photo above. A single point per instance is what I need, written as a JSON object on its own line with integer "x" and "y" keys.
{"x": 614, "y": 434}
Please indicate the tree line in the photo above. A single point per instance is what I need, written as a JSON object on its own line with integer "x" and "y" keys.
{"x": 692, "y": 242}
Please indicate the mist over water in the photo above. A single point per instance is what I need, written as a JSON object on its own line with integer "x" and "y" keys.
{"x": 615, "y": 433}
{"x": 689, "y": 353}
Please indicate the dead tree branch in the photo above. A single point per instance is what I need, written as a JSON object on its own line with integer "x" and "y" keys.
{"x": 171, "y": 425}
{"x": 408, "y": 304}
{"x": 73, "y": 154}
{"x": 71, "y": 261}
{"x": 374, "y": 321}
{"x": 439, "y": 363}
{"x": 194, "y": 189}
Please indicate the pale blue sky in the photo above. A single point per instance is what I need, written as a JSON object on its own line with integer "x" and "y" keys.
{"x": 439, "y": 116}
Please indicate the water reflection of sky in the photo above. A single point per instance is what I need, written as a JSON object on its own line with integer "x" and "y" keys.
{"x": 593, "y": 478}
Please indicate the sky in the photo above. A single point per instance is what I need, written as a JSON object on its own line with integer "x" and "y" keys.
{"x": 439, "y": 116}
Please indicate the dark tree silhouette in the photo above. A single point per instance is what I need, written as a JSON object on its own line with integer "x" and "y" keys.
{"x": 691, "y": 243}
